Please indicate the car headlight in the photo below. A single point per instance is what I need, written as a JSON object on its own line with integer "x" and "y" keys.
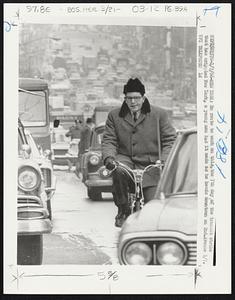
{"x": 138, "y": 254}
{"x": 170, "y": 253}
{"x": 94, "y": 160}
{"x": 28, "y": 179}
{"x": 104, "y": 172}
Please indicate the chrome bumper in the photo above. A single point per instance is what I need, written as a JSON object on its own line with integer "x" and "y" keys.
{"x": 39, "y": 226}
{"x": 98, "y": 182}
{"x": 32, "y": 215}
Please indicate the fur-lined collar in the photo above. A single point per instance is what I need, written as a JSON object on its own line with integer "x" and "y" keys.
{"x": 125, "y": 109}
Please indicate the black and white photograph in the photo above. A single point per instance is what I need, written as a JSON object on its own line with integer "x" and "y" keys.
{"x": 117, "y": 154}
{"x": 104, "y": 112}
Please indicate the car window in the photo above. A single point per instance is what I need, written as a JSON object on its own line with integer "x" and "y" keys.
{"x": 182, "y": 173}
{"x": 97, "y": 137}
{"x": 32, "y": 108}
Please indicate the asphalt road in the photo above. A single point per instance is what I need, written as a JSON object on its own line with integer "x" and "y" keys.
{"x": 83, "y": 230}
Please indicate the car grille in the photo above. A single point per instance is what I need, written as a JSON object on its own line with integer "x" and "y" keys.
{"x": 60, "y": 151}
{"x": 27, "y": 201}
{"x": 92, "y": 168}
{"x": 47, "y": 176}
{"x": 192, "y": 253}
{"x": 30, "y": 214}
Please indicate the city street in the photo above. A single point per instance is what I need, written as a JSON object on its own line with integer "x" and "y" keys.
{"x": 83, "y": 230}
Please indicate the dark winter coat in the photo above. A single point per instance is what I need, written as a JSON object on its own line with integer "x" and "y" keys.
{"x": 139, "y": 140}
{"x": 74, "y": 132}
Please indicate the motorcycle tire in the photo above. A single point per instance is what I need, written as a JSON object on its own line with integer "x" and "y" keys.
{"x": 137, "y": 206}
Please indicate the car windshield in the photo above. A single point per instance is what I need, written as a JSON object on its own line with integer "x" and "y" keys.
{"x": 182, "y": 173}
{"x": 97, "y": 138}
{"x": 32, "y": 108}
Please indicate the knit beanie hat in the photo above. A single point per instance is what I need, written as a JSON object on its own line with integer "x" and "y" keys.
{"x": 134, "y": 85}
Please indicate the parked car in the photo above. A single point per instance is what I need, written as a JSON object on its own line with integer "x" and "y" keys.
{"x": 164, "y": 232}
{"x": 65, "y": 151}
{"x": 94, "y": 175}
{"x": 44, "y": 161}
{"x": 32, "y": 214}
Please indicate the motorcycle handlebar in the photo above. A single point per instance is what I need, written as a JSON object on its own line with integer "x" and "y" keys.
{"x": 158, "y": 164}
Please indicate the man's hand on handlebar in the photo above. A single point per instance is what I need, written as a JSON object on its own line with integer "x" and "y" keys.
{"x": 160, "y": 164}
{"x": 110, "y": 163}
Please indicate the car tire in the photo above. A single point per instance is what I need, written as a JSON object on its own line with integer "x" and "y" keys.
{"x": 94, "y": 194}
{"x": 29, "y": 249}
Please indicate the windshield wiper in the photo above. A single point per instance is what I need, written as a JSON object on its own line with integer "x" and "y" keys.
{"x": 29, "y": 92}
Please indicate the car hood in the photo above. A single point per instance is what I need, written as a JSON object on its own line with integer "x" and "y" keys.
{"x": 178, "y": 213}
{"x": 43, "y": 162}
{"x": 28, "y": 162}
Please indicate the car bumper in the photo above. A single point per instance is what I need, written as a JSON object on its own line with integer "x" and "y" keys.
{"x": 99, "y": 182}
{"x": 29, "y": 227}
{"x": 64, "y": 159}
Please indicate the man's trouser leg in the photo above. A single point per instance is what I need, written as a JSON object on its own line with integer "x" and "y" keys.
{"x": 121, "y": 184}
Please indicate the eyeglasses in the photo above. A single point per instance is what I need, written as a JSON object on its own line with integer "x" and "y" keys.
{"x": 134, "y": 98}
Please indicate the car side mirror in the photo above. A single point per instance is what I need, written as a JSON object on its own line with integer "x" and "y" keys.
{"x": 40, "y": 149}
{"x": 26, "y": 149}
{"x": 47, "y": 153}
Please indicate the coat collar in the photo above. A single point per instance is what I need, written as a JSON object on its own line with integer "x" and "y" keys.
{"x": 125, "y": 109}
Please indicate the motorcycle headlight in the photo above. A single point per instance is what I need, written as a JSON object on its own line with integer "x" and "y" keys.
{"x": 28, "y": 179}
{"x": 170, "y": 253}
{"x": 138, "y": 254}
{"x": 94, "y": 159}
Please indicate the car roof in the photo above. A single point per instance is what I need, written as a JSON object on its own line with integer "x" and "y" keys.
{"x": 33, "y": 84}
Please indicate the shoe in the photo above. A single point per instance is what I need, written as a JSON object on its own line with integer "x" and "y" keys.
{"x": 120, "y": 219}
{"x": 123, "y": 212}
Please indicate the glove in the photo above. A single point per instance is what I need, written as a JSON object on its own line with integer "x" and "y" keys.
{"x": 110, "y": 163}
